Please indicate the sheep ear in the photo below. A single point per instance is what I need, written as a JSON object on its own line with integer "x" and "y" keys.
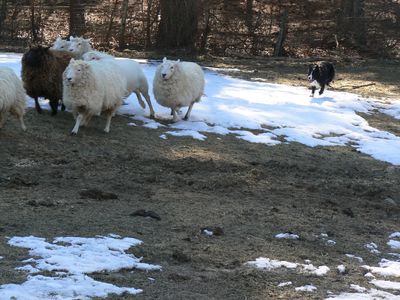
{"x": 164, "y": 60}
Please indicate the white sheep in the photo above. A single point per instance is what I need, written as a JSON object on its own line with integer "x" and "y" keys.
{"x": 92, "y": 87}
{"x": 177, "y": 84}
{"x": 60, "y": 44}
{"x": 79, "y": 46}
{"x": 12, "y": 96}
{"x": 135, "y": 78}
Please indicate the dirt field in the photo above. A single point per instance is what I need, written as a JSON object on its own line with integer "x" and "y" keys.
{"x": 250, "y": 192}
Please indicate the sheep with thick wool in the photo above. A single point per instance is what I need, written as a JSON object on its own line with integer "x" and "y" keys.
{"x": 12, "y": 96}
{"x": 178, "y": 84}
{"x": 79, "y": 46}
{"x": 135, "y": 78}
{"x": 61, "y": 45}
{"x": 41, "y": 72}
{"x": 92, "y": 87}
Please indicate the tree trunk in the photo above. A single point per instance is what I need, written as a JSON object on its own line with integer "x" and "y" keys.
{"x": 148, "y": 24}
{"x": 33, "y": 23}
{"x": 110, "y": 23}
{"x": 76, "y": 18}
{"x": 250, "y": 25}
{"x": 178, "y": 25}
{"x": 3, "y": 13}
{"x": 278, "y": 51}
{"x": 124, "y": 15}
{"x": 206, "y": 32}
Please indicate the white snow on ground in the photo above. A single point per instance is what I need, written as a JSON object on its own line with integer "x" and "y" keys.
{"x": 288, "y": 236}
{"x": 392, "y": 109}
{"x": 235, "y": 106}
{"x": 70, "y": 259}
{"x": 371, "y": 294}
{"x": 394, "y": 235}
{"x": 357, "y": 288}
{"x": 341, "y": 269}
{"x": 372, "y": 247}
{"x": 269, "y": 264}
{"x": 287, "y": 283}
{"x": 306, "y": 288}
{"x": 355, "y": 257}
{"x": 384, "y": 284}
{"x": 386, "y": 268}
{"x": 394, "y": 244}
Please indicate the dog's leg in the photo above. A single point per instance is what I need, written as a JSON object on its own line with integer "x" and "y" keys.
{"x": 313, "y": 88}
{"x": 322, "y": 89}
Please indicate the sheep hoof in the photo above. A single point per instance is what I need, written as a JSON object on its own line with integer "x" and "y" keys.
{"x": 185, "y": 118}
{"x": 73, "y": 133}
{"x": 39, "y": 110}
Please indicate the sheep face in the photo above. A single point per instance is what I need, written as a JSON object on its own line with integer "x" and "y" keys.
{"x": 91, "y": 56}
{"x": 168, "y": 68}
{"x": 78, "y": 45}
{"x": 36, "y": 56}
{"x": 75, "y": 71}
{"x": 61, "y": 44}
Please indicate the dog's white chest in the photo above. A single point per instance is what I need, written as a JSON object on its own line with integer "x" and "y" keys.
{"x": 315, "y": 83}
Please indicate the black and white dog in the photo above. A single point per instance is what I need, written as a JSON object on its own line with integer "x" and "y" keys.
{"x": 320, "y": 75}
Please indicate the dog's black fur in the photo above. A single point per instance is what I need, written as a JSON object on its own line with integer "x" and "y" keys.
{"x": 322, "y": 74}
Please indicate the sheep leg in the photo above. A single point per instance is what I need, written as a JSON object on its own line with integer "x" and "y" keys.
{"x": 19, "y": 114}
{"x": 77, "y": 124}
{"x": 189, "y": 111}
{"x": 37, "y": 105}
{"x": 175, "y": 115}
{"x": 62, "y": 107}
{"x": 54, "y": 107}
{"x": 139, "y": 98}
{"x": 110, "y": 113}
{"x": 172, "y": 111}
{"x": 147, "y": 97}
{"x": 86, "y": 119}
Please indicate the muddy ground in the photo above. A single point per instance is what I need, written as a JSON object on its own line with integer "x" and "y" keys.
{"x": 249, "y": 191}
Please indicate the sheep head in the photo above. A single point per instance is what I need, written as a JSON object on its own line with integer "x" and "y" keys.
{"x": 61, "y": 44}
{"x": 79, "y": 45}
{"x": 75, "y": 71}
{"x": 36, "y": 56}
{"x": 168, "y": 68}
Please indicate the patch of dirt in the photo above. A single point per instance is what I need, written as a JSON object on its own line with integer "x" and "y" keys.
{"x": 250, "y": 191}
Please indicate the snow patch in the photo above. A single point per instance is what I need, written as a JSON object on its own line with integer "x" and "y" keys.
{"x": 288, "y": 236}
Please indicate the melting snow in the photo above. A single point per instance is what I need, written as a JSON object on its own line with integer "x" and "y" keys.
{"x": 306, "y": 288}
{"x": 70, "y": 259}
{"x": 288, "y": 236}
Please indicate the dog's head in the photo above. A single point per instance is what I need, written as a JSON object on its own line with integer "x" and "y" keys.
{"x": 313, "y": 72}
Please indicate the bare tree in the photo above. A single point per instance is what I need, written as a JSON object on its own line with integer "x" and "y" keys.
{"x": 124, "y": 15}
{"x": 77, "y": 26}
{"x": 178, "y": 25}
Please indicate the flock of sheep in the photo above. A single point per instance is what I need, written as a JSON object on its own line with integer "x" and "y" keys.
{"x": 89, "y": 82}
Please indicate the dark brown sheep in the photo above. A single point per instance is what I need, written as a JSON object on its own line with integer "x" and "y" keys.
{"x": 42, "y": 70}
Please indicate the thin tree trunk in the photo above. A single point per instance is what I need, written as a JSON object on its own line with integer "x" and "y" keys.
{"x": 33, "y": 24}
{"x": 148, "y": 24}
{"x": 278, "y": 51}
{"x": 108, "y": 34}
{"x": 206, "y": 32}
{"x": 124, "y": 15}
{"x": 3, "y": 13}
{"x": 178, "y": 25}
{"x": 76, "y": 18}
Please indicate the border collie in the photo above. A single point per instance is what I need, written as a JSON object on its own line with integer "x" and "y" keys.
{"x": 320, "y": 75}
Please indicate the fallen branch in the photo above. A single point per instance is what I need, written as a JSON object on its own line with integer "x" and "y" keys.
{"x": 363, "y": 85}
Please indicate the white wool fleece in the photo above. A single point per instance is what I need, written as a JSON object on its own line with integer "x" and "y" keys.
{"x": 12, "y": 96}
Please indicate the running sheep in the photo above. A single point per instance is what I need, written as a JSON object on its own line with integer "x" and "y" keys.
{"x": 79, "y": 46}
{"x": 12, "y": 96}
{"x": 42, "y": 70}
{"x": 135, "y": 78}
{"x": 178, "y": 84}
{"x": 92, "y": 87}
